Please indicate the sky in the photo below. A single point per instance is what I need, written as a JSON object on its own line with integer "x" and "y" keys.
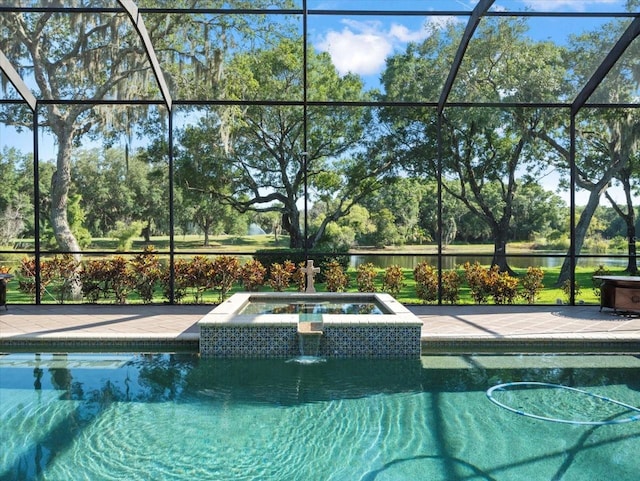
{"x": 360, "y": 44}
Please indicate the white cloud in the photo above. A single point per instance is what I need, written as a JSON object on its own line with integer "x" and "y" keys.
{"x": 358, "y": 48}
{"x": 362, "y": 47}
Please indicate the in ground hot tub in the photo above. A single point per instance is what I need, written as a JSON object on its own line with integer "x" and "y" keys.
{"x": 364, "y": 325}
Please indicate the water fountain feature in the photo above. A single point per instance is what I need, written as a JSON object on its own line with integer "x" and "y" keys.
{"x": 309, "y": 334}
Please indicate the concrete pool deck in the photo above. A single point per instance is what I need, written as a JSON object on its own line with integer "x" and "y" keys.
{"x": 445, "y": 328}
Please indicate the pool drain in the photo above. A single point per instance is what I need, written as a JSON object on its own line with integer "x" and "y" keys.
{"x": 506, "y": 386}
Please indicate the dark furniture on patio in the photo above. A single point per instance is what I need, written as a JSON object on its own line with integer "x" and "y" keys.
{"x": 4, "y": 278}
{"x": 620, "y": 293}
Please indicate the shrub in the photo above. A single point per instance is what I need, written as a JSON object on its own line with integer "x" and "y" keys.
{"x": 280, "y": 275}
{"x": 558, "y": 242}
{"x": 181, "y": 279}
{"x": 146, "y": 271}
{"x": 27, "y": 274}
{"x": 532, "y": 284}
{"x": 268, "y": 257}
{"x": 199, "y": 276}
{"x": 125, "y": 232}
{"x": 225, "y": 271}
{"x": 502, "y": 285}
{"x": 393, "y": 280}
{"x": 478, "y": 282}
{"x": 299, "y": 277}
{"x": 596, "y": 244}
{"x": 121, "y": 279}
{"x": 426, "y": 282}
{"x": 62, "y": 272}
{"x": 618, "y": 243}
{"x": 252, "y": 275}
{"x": 566, "y": 289}
{"x": 450, "y": 286}
{"x": 365, "y": 277}
{"x": 94, "y": 275}
{"x": 335, "y": 277}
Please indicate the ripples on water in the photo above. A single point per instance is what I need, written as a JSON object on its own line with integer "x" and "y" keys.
{"x": 178, "y": 417}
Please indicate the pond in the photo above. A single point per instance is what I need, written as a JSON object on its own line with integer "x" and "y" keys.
{"x": 409, "y": 261}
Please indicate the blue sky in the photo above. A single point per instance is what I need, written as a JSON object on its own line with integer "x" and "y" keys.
{"x": 360, "y": 44}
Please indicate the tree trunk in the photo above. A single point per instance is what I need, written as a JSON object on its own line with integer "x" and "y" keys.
{"x": 500, "y": 238}
{"x": 632, "y": 264}
{"x": 581, "y": 233}
{"x": 291, "y": 223}
{"x": 146, "y": 232}
{"x": 629, "y": 220}
{"x": 60, "y": 183}
{"x": 206, "y": 228}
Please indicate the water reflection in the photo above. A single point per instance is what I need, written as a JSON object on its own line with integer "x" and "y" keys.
{"x": 453, "y": 261}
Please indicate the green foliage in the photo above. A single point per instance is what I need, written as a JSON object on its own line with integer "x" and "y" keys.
{"x": 365, "y": 277}
{"x": 271, "y": 137}
{"x": 618, "y": 243}
{"x": 566, "y": 289}
{"x": 596, "y": 244}
{"x": 252, "y": 275}
{"x": 597, "y": 283}
{"x": 181, "y": 279}
{"x": 299, "y": 277}
{"x": 386, "y": 232}
{"x": 451, "y": 286}
{"x": 146, "y": 271}
{"x": 62, "y": 271}
{"x": 268, "y": 257}
{"x": 532, "y": 284}
{"x": 337, "y": 238}
{"x": 335, "y": 278}
{"x": 393, "y": 280}
{"x": 225, "y": 271}
{"x": 478, "y": 282}
{"x": 559, "y": 242}
{"x": 125, "y": 232}
{"x": 76, "y": 221}
{"x": 95, "y": 279}
{"x": 426, "y": 279}
{"x": 502, "y": 285}
{"x": 280, "y": 275}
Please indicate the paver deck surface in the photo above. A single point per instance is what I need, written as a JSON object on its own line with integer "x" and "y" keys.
{"x": 440, "y": 323}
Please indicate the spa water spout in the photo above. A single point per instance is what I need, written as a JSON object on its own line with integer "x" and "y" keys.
{"x": 309, "y": 334}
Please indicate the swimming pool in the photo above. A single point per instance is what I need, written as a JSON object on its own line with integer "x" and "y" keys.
{"x": 179, "y": 417}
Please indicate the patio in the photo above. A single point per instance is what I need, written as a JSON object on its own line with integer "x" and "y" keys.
{"x": 445, "y": 328}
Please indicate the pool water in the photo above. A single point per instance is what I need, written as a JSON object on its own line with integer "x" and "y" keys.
{"x": 325, "y": 307}
{"x": 178, "y": 417}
